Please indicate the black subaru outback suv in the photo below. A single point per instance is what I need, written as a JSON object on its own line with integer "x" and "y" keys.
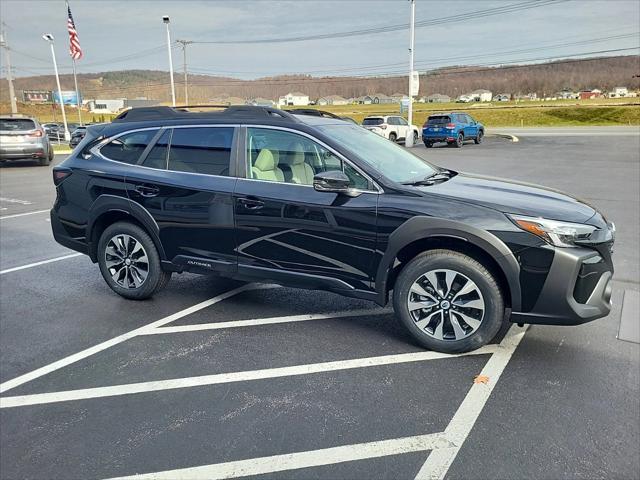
{"x": 259, "y": 194}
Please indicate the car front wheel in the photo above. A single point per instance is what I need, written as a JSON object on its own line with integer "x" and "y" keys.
{"x": 479, "y": 137}
{"x": 393, "y": 137}
{"x": 129, "y": 261}
{"x": 448, "y": 302}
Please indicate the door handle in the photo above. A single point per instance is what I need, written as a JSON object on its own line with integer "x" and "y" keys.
{"x": 251, "y": 203}
{"x": 147, "y": 190}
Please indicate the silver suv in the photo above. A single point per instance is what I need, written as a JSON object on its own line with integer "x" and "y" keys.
{"x": 23, "y": 137}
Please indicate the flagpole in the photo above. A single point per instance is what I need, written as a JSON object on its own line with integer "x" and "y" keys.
{"x": 75, "y": 80}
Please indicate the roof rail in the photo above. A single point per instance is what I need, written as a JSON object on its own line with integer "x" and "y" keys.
{"x": 141, "y": 114}
{"x": 312, "y": 112}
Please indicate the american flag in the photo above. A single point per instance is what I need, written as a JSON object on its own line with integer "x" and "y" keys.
{"x": 74, "y": 42}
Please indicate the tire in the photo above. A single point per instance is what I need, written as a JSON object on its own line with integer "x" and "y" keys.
{"x": 46, "y": 160}
{"x": 484, "y": 318}
{"x": 393, "y": 137}
{"x": 116, "y": 242}
{"x": 428, "y": 144}
{"x": 459, "y": 141}
{"x": 479, "y": 137}
{"x": 415, "y": 138}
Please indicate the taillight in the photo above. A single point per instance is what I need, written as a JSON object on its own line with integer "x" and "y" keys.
{"x": 37, "y": 133}
{"x": 59, "y": 174}
{"x": 450, "y": 126}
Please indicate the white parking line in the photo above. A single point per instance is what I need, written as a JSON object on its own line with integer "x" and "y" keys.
{"x": 469, "y": 410}
{"x": 36, "y": 264}
{"x": 444, "y": 446}
{"x": 266, "y": 321}
{"x": 27, "y": 377}
{"x": 4, "y": 217}
{"x": 221, "y": 378}
{"x": 292, "y": 461}
{"x": 15, "y": 200}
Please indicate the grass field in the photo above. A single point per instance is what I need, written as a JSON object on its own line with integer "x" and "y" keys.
{"x": 622, "y": 111}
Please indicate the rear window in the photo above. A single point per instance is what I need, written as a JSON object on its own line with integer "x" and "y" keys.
{"x": 438, "y": 120}
{"x": 373, "y": 121}
{"x": 204, "y": 150}
{"x": 10, "y": 124}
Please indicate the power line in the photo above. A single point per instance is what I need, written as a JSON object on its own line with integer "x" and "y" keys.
{"x": 513, "y": 7}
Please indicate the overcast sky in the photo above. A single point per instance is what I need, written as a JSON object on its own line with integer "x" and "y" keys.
{"x": 110, "y": 30}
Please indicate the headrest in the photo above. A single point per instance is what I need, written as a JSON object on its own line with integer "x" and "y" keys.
{"x": 266, "y": 160}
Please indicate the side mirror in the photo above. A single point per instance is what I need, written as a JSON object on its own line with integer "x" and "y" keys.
{"x": 333, "y": 181}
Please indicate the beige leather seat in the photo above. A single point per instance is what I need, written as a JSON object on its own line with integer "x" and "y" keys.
{"x": 266, "y": 166}
{"x": 301, "y": 172}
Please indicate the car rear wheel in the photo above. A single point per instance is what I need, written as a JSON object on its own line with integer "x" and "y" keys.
{"x": 448, "y": 302}
{"x": 415, "y": 137}
{"x": 459, "y": 141}
{"x": 428, "y": 144}
{"x": 393, "y": 137}
{"x": 46, "y": 160}
{"x": 129, "y": 261}
{"x": 479, "y": 137}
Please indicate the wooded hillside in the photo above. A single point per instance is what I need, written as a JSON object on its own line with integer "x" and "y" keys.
{"x": 544, "y": 79}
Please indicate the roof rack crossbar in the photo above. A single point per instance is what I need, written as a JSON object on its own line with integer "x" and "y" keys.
{"x": 141, "y": 114}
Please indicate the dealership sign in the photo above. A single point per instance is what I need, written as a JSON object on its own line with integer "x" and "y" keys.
{"x": 37, "y": 96}
{"x": 69, "y": 97}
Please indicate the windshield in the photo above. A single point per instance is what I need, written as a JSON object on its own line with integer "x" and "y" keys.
{"x": 439, "y": 120}
{"x": 392, "y": 160}
{"x": 9, "y": 124}
{"x": 372, "y": 121}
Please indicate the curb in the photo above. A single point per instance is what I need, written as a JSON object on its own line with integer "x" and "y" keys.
{"x": 513, "y": 138}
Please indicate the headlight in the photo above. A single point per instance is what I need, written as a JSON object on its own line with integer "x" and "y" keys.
{"x": 560, "y": 234}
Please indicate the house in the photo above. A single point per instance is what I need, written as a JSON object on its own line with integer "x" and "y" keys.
{"x": 502, "y": 97}
{"x": 437, "y": 98}
{"x": 482, "y": 95}
{"x": 397, "y": 97}
{"x": 380, "y": 98}
{"x": 465, "y": 98}
{"x": 332, "y": 100}
{"x": 619, "y": 92}
{"x": 528, "y": 96}
{"x": 294, "y": 99}
{"x": 261, "y": 102}
{"x": 567, "y": 94}
{"x": 589, "y": 94}
{"x": 365, "y": 100}
{"x": 106, "y": 105}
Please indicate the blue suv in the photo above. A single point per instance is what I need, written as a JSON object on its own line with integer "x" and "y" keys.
{"x": 453, "y": 128}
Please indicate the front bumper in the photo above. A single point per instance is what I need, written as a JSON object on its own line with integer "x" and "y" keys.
{"x": 577, "y": 289}
{"x": 22, "y": 151}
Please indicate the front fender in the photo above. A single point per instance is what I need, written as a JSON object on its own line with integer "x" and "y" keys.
{"x": 421, "y": 227}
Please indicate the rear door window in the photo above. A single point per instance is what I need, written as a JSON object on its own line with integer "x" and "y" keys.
{"x": 158, "y": 156}
{"x": 205, "y": 150}
{"x": 129, "y": 147}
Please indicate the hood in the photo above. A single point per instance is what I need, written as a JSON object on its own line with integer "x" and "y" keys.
{"x": 509, "y": 196}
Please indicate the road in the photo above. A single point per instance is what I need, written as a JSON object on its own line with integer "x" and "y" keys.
{"x": 219, "y": 377}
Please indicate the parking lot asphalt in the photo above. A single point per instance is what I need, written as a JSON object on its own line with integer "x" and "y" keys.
{"x": 217, "y": 379}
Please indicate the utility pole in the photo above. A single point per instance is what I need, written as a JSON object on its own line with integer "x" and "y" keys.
{"x": 7, "y": 57}
{"x": 409, "y": 137}
{"x": 184, "y": 44}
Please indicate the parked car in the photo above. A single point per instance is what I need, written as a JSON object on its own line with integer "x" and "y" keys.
{"x": 51, "y": 129}
{"x": 23, "y": 137}
{"x": 393, "y": 127}
{"x": 258, "y": 194}
{"x": 453, "y": 128}
{"x": 77, "y": 135}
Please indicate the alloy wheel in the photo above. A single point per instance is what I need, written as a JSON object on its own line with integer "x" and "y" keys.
{"x": 446, "y": 305}
{"x": 127, "y": 261}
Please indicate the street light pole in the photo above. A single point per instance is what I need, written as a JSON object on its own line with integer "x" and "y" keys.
{"x": 165, "y": 19}
{"x": 409, "y": 137}
{"x": 49, "y": 38}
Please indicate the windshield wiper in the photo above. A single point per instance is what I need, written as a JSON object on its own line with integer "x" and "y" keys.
{"x": 440, "y": 176}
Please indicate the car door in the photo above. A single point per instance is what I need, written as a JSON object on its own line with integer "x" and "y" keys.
{"x": 473, "y": 127}
{"x": 184, "y": 181}
{"x": 290, "y": 232}
{"x": 403, "y": 126}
